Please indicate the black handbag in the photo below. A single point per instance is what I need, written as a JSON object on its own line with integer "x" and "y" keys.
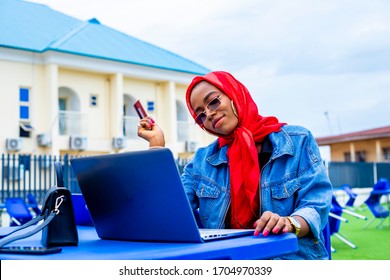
{"x": 62, "y": 230}
{"x": 59, "y": 224}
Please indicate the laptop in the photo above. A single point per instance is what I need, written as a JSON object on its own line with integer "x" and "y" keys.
{"x": 139, "y": 196}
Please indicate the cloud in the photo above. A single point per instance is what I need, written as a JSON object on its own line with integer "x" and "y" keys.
{"x": 298, "y": 58}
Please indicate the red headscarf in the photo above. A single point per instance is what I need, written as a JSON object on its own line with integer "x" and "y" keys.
{"x": 242, "y": 151}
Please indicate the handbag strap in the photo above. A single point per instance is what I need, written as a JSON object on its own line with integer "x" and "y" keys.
{"x": 59, "y": 174}
{"x": 10, "y": 238}
{"x": 29, "y": 223}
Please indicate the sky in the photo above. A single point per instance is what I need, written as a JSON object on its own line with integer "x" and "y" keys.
{"x": 322, "y": 64}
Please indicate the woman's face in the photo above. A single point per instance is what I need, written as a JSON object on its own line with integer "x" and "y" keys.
{"x": 216, "y": 106}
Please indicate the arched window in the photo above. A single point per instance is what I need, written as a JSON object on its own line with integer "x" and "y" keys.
{"x": 68, "y": 100}
{"x": 182, "y": 121}
{"x": 128, "y": 108}
{"x": 70, "y": 120}
{"x": 130, "y": 117}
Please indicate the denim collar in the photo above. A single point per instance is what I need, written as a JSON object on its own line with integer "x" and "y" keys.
{"x": 276, "y": 143}
{"x": 282, "y": 144}
{"x": 220, "y": 156}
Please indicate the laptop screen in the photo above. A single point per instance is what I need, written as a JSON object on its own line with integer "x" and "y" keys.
{"x": 136, "y": 196}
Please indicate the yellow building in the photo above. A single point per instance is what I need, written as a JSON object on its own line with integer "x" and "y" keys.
{"x": 371, "y": 145}
{"x": 68, "y": 86}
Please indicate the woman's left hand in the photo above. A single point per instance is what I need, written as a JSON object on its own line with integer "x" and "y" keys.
{"x": 151, "y": 132}
{"x": 272, "y": 222}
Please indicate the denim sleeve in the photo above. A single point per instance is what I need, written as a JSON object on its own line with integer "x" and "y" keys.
{"x": 315, "y": 193}
{"x": 187, "y": 179}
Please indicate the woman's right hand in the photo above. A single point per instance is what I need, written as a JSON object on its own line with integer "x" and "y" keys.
{"x": 151, "y": 132}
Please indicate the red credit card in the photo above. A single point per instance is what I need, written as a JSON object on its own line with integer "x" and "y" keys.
{"x": 140, "y": 110}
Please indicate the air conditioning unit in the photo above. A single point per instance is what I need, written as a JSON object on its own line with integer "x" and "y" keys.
{"x": 13, "y": 144}
{"x": 191, "y": 146}
{"x": 44, "y": 140}
{"x": 78, "y": 143}
{"x": 119, "y": 142}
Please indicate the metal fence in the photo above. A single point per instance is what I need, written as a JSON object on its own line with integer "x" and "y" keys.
{"x": 357, "y": 174}
{"x": 24, "y": 174}
{"x": 383, "y": 170}
{"x": 35, "y": 174}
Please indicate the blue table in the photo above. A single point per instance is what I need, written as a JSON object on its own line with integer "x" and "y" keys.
{"x": 91, "y": 247}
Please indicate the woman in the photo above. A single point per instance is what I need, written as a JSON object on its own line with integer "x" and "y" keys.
{"x": 259, "y": 173}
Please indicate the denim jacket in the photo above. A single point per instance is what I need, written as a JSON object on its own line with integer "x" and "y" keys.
{"x": 294, "y": 182}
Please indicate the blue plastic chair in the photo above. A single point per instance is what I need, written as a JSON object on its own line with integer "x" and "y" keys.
{"x": 326, "y": 233}
{"x": 18, "y": 211}
{"x": 33, "y": 204}
{"x": 382, "y": 186}
{"x": 335, "y": 219}
{"x": 81, "y": 212}
{"x": 373, "y": 203}
{"x": 352, "y": 196}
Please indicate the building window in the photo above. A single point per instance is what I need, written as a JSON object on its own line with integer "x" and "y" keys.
{"x": 361, "y": 156}
{"x": 347, "y": 157}
{"x": 93, "y": 102}
{"x": 24, "y": 95}
{"x": 24, "y": 112}
{"x": 150, "y": 106}
{"x": 386, "y": 154}
{"x": 24, "y": 101}
{"x": 62, "y": 104}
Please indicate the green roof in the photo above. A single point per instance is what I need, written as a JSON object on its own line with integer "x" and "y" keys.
{"x": 38, "y": 28}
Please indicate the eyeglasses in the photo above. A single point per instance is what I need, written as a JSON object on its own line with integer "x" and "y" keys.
{"x": 212, "y": 106}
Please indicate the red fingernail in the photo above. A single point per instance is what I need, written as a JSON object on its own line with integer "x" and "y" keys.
{"x": 265, "y": 232}
{"x": 256, "y": 233}
{"x": 152, "y": 121}
{"x": 255, "y": 224}
{"x": 285, "y": 230}
{"x": 275, "y": 230}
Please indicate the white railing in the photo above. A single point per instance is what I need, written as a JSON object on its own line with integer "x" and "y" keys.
{"x": 130, "y": 127}
{"x": 182, "y": 131}
{"x": 72, "y": 123}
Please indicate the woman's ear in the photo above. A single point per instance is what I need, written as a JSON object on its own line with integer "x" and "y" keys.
{"x": 234, "y": 108}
